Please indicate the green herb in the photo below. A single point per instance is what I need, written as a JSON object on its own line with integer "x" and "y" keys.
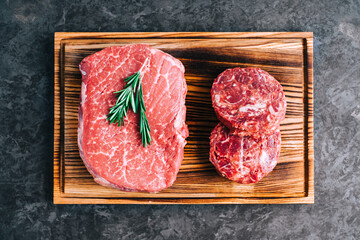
{"x": 144, "y": 124}
{"x": 131, "y": 95}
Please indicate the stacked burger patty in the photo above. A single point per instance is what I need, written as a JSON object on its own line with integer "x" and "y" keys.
{"x": 250, "y": 104}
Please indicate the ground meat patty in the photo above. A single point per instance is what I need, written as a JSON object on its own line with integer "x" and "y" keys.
{"x": 248, "y": 100}
{"x": 243, "y": 159}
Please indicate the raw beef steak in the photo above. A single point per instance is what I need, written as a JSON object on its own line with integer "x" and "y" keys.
{"x": 243, "y": 159}
{"x": 249, "y": 101}
{"x": 114, "y": 155}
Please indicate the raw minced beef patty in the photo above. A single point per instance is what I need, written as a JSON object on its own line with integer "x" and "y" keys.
{"x": 114, "y": 155}
{"x": 243, "y": 159}
{"x": 248, "y": 100}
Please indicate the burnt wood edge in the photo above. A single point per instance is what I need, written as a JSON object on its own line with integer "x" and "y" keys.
{"x": 306, "y": 115}
{"x": 310, "y": 119}
{"x": 62, "y": 117}
{"x": 174, "y": 35}
{"x": 57, "y": 139}
{"x": 183, "y": 201}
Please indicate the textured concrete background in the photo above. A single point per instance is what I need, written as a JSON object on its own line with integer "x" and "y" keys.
{"x": 26, "y": 115}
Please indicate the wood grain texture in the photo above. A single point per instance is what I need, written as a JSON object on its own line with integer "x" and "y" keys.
{"x": 287, "y": 56}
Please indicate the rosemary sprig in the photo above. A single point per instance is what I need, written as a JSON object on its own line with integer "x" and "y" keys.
{"x": 144, "y": 124}
{"x": 131, "y": 95}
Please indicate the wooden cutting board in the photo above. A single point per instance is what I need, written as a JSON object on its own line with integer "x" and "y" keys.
{"x": 286, "y": 56}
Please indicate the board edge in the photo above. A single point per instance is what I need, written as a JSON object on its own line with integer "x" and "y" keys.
{"x": 69, "y": 35}
{"x": 310, "y": 142}
{"x": 57, "y": 140}
{"x": 184, "y": 201}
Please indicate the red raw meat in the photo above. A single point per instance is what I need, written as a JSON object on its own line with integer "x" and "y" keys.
{"x": 249, "y": 101}
{"x": 243, "y": 159}
{"x": 114, "y": 155}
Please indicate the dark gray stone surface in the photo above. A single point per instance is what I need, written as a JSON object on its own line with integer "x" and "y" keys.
{"x": 26, "y": 115}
